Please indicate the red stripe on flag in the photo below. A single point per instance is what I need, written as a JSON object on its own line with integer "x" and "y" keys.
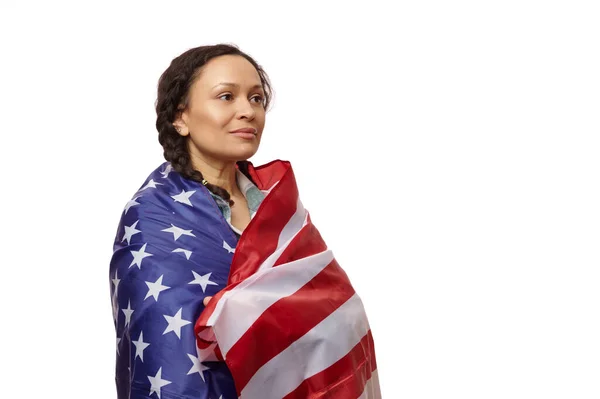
{"x": 287, "y": 320}
{"x": 261, "y": 236}
{"x": 265, "y": 176}
{"x": 345, "y": 379}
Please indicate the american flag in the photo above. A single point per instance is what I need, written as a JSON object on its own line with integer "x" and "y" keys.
{"x": 284, "y": 321}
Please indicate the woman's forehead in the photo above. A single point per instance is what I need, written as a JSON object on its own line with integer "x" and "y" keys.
{"x": 229, "y": 72}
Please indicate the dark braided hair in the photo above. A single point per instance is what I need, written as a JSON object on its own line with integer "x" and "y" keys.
{"x": 173, "y": 90}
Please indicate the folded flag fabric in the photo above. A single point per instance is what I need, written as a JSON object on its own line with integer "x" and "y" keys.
{"x": 284, "y": 321}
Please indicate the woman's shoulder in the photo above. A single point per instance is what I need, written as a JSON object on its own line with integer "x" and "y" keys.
{"x": 163, "y": 172}
{"x": 166, "y": 190}
{"x": 163, "y": 180}
{"x": 166, "y": 202}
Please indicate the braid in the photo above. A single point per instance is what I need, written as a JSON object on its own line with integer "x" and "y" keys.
{"x": 173, "y": 89}
{"x": 176, "y": 152}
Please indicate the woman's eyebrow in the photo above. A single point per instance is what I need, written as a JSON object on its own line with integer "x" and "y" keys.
{"x": 258, "y": 85}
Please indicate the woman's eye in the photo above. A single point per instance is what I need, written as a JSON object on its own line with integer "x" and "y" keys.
{"x": 260, "y": 98}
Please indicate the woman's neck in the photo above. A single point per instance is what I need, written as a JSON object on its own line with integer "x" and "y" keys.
{"x": 218, "y": 172}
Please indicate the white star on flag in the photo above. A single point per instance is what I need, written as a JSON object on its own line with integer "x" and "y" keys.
{"x": 186, "y": 252}
{"x": 203, "y": 281}
{"x": 157, "y": 383}
{"x": 197, "y": 367}
{"x": 138, "y": 256}
{"x": 178, "y": 231}
{"x": 155, "y": 288}
{"x": 184, "y": 197}
{"x": 130, "y": 231}
{"x": 131, "y": 203}
{"x": 128, "y": 312}
{"x": 116, "y": 281}
{"x": 167, "y": 170}
{"x": 140, "y": 345}
{"x": 175, "y": 323}
{"x": 229, "y": 248}
{"x": 118, "y": 340}
{"x": 151, "y": 184}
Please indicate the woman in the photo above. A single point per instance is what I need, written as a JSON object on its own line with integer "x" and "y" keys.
{"x": 283, "y": 320}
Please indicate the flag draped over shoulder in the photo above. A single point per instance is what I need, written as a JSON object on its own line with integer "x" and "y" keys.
{"x": 284, "y": 321}
{"x": 289, "y": 324}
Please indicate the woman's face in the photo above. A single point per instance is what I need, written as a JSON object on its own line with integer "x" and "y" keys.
{"x": 216, "y": 108}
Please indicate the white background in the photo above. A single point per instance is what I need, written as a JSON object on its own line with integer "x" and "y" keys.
{"x": 447, "y": 151}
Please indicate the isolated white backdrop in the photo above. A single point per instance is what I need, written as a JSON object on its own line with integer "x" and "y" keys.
{"x": 447, "y": 151}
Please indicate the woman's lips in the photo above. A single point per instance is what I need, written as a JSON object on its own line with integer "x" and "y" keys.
{"x": 244, "y": 135}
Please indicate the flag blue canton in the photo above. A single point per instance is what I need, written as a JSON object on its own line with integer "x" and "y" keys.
{"x": 173, "y": 247}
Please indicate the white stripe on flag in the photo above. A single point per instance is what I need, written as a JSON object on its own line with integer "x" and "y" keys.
{"x": 295, "y": 224}
{"x": 372, "y": 387}
{"x": 325, "y": 344}
{"x": 258, "y": 292}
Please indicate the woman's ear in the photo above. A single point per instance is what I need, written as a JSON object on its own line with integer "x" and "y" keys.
{"x": 180, "y": 125}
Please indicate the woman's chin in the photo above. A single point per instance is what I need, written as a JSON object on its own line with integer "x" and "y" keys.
{"x": 242, "y": 153}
